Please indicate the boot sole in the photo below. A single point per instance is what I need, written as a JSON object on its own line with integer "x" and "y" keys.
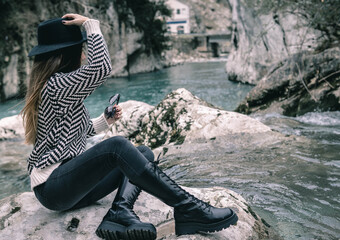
{"x": 115, "y": 231}
{"x": 195, "y": 227}
{"x": 141, "y": 234}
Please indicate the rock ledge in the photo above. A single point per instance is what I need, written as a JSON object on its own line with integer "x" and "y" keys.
{"x": 22, "y": 217}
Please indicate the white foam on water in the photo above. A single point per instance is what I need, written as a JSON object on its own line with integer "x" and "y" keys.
{"x": 321, "y": 118}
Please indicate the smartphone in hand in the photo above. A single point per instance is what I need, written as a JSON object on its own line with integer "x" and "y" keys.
{"x": 110, "y": 111}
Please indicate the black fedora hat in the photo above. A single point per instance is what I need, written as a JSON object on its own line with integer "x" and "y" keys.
{"x": 54, "y": 35}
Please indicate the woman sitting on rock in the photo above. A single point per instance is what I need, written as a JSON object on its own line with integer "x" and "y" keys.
{"x": 66, "y": 176}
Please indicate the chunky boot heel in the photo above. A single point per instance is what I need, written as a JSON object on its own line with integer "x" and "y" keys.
{"x": 191, "y": 214}
{"x": 121, "y": 222}
{"x": 111, "y": 230}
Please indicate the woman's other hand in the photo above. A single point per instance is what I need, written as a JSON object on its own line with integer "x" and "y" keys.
{"x": 117, "y": 115}
{"x": 74, "y": 19}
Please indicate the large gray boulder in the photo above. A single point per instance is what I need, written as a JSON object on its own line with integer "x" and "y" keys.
{"x": 300, "y": 84}
{"x": 12, "y": 128}
{"x": 22, "y": 217}
{"x": 183, "y": 127}
{"x": 182, "y": 117}
{"x": 262, "y": 38}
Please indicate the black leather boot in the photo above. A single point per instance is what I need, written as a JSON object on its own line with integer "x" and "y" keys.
{"x": 121, "y": 222}
{"x": 191, "y": 214}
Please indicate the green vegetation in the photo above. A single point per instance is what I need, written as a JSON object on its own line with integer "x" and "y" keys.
{"x": 148, "y": 18}
{"x": 157, "y": 136}
{"x": 169, "y": 115}
{"x": 172, "y": 132}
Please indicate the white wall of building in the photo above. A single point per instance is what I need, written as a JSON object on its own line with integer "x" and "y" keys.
{"x": 179, "y": 22}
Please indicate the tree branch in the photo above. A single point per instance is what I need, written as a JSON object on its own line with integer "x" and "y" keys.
{"x": 328, "y": 76}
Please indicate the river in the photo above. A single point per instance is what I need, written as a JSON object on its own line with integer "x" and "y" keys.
{"x": 295, "y": 187}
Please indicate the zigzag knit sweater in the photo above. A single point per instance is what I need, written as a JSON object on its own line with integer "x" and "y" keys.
{"x": 63, "y": 121}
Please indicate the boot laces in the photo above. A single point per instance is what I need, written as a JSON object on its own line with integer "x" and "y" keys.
{"x": 203, "y": 205}
{"x": 134, "y": 214}
{"x": 134, "y": 198}
{"x": 132, "y": 201}
{"x": 158, "y": 159}
{"x": 197, "y": 201}
{"x": 126, "y": 208}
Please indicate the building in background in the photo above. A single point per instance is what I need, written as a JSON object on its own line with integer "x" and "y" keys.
{"x": 179, "y": 22}
{"x": 212, "y": 43}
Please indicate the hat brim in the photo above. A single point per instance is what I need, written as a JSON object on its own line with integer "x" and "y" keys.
{"x": 41, "y": 49}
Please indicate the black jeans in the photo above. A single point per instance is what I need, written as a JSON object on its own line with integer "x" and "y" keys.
{"x": 93, "y": 174}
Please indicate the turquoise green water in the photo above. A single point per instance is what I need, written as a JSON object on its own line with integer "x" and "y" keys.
{"x": 294, "y": 186}
{"x": 205, "y": 80}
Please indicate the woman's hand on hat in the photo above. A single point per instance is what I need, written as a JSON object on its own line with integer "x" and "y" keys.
{"x": 74, "y": 19}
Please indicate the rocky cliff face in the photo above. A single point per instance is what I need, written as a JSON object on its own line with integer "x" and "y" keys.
{"x": 292, "y": 64}
{"x": 263, "y": 38}
{"x": 19, "y": 36}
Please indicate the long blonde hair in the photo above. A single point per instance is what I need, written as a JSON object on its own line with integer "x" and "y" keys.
{"x": 44, "y": 66}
